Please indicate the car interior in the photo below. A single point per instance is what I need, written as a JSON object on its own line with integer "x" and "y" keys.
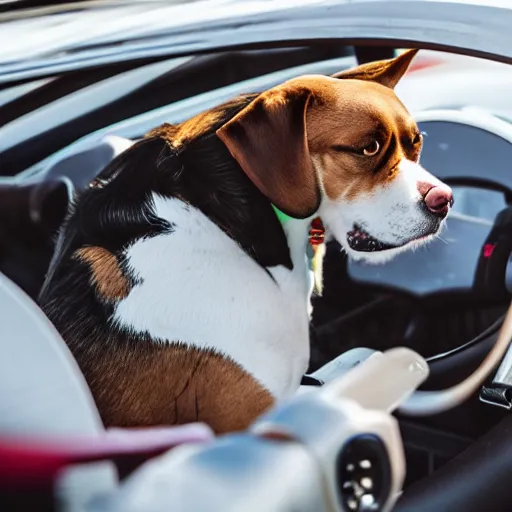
{"x": 446, "y": 301}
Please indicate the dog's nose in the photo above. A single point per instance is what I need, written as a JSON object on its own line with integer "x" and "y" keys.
{"x": 439, "y": 199}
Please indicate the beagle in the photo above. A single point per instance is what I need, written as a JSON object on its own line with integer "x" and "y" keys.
{"x": 181, "y": 278}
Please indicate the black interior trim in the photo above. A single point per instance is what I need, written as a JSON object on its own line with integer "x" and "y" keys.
{"x": 476, "y": 480}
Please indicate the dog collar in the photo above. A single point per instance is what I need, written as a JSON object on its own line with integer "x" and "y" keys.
{"x": 316, "y": 229}
{"x": 314, "y": 249}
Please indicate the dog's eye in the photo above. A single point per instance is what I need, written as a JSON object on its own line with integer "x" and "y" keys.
{"x": 416, "y": 139}
{"x": 372, "y": 149}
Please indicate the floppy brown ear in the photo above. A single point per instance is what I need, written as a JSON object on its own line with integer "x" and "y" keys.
{"x": 386, "y": 72}
{"x": 269, "y": 141}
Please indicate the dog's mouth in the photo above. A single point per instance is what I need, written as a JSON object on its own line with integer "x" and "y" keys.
{"x": 359, "y": 240}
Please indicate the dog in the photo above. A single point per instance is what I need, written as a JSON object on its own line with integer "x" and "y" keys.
{"x": 181, "y": 279}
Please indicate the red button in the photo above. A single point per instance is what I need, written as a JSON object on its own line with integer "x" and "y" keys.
{"x": 488, "y": 250}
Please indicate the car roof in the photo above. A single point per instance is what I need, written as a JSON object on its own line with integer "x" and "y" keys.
{"x": 91, "y": 34}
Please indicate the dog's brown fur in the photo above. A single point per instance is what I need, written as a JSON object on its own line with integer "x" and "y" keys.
{"x": 106, "y": 274}
{"x": 289, "y": 134}
{"x": 179, "y": 135}
{"x": 184, "y": 385}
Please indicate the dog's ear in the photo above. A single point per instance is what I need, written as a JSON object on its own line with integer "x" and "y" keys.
{"x": 268, "y": 139}
{"x": 386, "y": 72}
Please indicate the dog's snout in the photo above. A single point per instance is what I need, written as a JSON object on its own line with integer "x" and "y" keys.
{"x": 438, "y": 198}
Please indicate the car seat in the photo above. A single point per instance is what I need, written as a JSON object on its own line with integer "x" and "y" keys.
{"x": 49, "y": 423}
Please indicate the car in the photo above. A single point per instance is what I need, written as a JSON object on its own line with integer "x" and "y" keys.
{"x": 80, "y": 84}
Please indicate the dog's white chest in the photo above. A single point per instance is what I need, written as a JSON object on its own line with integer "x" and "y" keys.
{"x": 198, "y": 287}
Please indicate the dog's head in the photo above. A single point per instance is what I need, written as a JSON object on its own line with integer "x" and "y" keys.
{"x": 344, "y": 148}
